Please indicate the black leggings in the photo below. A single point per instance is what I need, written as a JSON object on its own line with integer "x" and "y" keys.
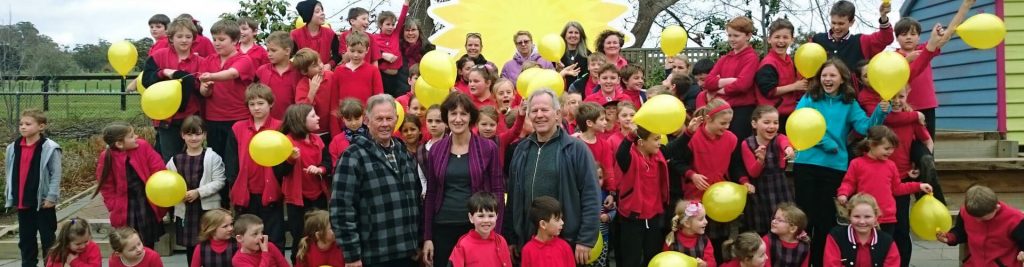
{"x": 900, "y": 231}
{"x": 642, "y": 239}
{"x": 740, "y": 125}
{"x": 815, "y": 193}
{"x": 446, "y": 236}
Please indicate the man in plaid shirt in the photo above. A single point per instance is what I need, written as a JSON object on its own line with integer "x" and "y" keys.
{"x": 375, "y": 207}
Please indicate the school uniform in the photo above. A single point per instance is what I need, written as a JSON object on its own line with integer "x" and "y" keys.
{"x": 316, "y": 256}
{"x": 717, "y": 158}
{"x": 604, "y": 155}
{"x": 769, "y": 178}
{"x": 302, "y": 191}
{"x": 90, "y": 257}
{"x": 390, "y": 43}
{"x": 601, "y": 99}
{"x": 993, "y": 242}
{"x": 852, "y": 48}
{"x": 271, "y": 258}
{"x": 257, "y": 190}
{"x": 214, "y": 253}
{"x": 583, "y": 85}
{"x": 475, "y": 250}
{"x": 360, "y": 83}
{"x": 741, "y": 65}
{"x": 202, "y": 46}
{"x": 637, "y": 97}
{"x": 922, "y": 94}
{"x": 324, "y": 102}
{"x": 256, "y": 53}
{"x": 124, "y": 190}
{"x": 776, "y": 71}
{"x": 337, "y": 146}
{"x": 694, "y": 246}
{"x": 642, "y": 196}
{"x": 149, "y": 259}
{"x": 33, "y": 176}
{"x": 880, "y": 179}
{"x": 226, "y": 104}
{"x": 553, "y": 253}
{"x": 205, "y": 174}
{"x": 844, "y": 248}
{"x": 372, "y": 50}
{"x": 282, "y": 84}
{"x": 785, "y": 254}
{"x": 485, "y": 102}
{"x": 160, "y": 42}
{"x": 186, "y": 69}
{"x": 325, "y": 43}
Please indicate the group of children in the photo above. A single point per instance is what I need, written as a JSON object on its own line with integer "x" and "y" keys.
{"x": 312, "y": 85}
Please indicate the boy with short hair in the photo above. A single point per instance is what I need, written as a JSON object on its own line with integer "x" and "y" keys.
{"x": 608, "y": 89}
{"x": 279, "y": 74}
{"x": 361, "y": 79}
{"x": 852, "y": 48}
{"x": 633, "y": 84}
{"x": 33, "y": 175}
{"x": 359, "y": 18}
{"x": 481, "y": 246}
{"x": 257, "y": 190}
{"x": 224, "y": 78}
{"x": 591, "y": 120}
{"x": 991, "y": 228}
{"x": 178, "y": 61}
{"x": 351, "y": 111}
{"x": 200, "y": 44}
{"x": 158, "y": 30}
{"x": 546, "y": 248}
{"x": 587, "y": 83}
{"x": 701, "y": 69}
{"x": 388, "y": 41}
{"x": 254, "y": 249}
{"x": 315, "y": 35}
{"x": 316, "y": 87}
{"x": 247, "y": 42}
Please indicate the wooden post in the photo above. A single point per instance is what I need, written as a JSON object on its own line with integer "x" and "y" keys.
{"x": 46, "y": 97}
{"x": 124, "y": 97}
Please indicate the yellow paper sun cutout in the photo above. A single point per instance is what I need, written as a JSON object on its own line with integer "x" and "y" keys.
{"x": 498, "y": 20}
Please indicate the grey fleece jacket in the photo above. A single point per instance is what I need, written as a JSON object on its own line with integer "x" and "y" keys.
{"x": 49, "y": 172}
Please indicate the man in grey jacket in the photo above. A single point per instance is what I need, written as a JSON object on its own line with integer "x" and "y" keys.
{"x": 552, "y": 163}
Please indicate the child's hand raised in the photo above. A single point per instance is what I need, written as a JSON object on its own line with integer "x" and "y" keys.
{"x": 883, "y": 12}
{"x": 927, "y": 188}
{"x": 759, "y": 153}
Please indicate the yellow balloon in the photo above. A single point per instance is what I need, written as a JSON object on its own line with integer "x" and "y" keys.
{"x": 672, "y": 259}
{"x": 138, "y": 84}
{"x": 982, "y": 31}
{"x": 269, "y": 148}
{"x": 162, "y": 99}
{"x": 662, "y": 114}
{"x": 523, "y": 81}
{"x": 929, "y": 216}
{"x": 551, "y": 47}
{"x": 595, "y": 253}
{"x": 805, "y": 128}
{"x": 401, "y": 115}
{"x": 299, "y": 23}
{"x": 428, "y": 95}
{"x": 724, "y": 201}
{"x": 165, "y": 188}
{"x": 546, "y": 78}
{"x": 888, "y": 73}
{"x": 673, "y": 40}
{"x": 122, "y": 56}
{"x": 438, "y": 70}
{"x": 808, "y": 59}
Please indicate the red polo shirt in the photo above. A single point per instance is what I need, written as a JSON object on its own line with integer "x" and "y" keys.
{"x": 372, "y": 51}
{"x": 257, "y": 53}
{"x": 158, "y": 44}
{"x": 321, "y": 43}
{"x": 27, "y": 152}
{"x": 486, "y": 102}
{"x": 282, "y": 84}
{"x": 227, "y": 99}
{"x": 203, "y": 47}
{"x": 324, "y": 102}
{"x": 165, "y": 59}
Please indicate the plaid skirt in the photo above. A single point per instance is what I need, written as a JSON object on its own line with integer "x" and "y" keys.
{"x": 772, "y": 189}
{"x": 187, "y": 229}
{"x": 141, "y": 216}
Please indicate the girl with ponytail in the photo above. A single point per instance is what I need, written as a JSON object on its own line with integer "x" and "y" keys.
{"x": 122, "y": 172}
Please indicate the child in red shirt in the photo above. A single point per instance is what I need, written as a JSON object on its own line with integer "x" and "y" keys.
{"x": 732, "y": 78}
{"x": 991, "y": 229}
{"x": 303, "y": 185}
{"x": 687, "y": 235}
{"x": 315, "y": 35}
{"x": 224, "y": 77}
{"x": 590, "y": 120}
{"x": 316, "y": 87}
{"x": 860, "y": 244}
{"x": 247, "y": 43}
{"x": 255, "y": 250}
{"x": 387, "y": 41}
{"x": 609, "y": 90}
{"x": 158, "y": 30}
{"x": 643, "y": 195}
{"x": 128, "y": 250}
{"x": 481, "y": 86}
{"x": 201, "y": 45}
{"x": 787, "y": 243}
{"x": 175, "y": 62}
{"x": 74, "y": 246}
{"x": 624, "y": 126}
{"x": 215, "y": 240}
{"x": 570, "y": 105}
{"x": 33, "y": 177}
{"x": 546, "y": 249}
{"x": 257, "y": 190}
{"x": 279, "y": 74}
{"x": 317, "y": 247}
{"x": 586, "y": 84}
{"x": 359, "y": 18}
{"x": 121, "y": 173}
{"x": 357, "y": 78}
{"x": 633, "y": 84}
{"x": 746, "y": 250}
{"x": 777, "y": 81}
{"x": 764, "y": 155}
{"x": 481, "y": 246}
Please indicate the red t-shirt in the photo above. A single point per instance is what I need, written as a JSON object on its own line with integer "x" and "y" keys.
{"x": 271, "y": 258}
{"x": 604, "y": 155}
{"x": 149, "y": 259}
{"x": 282, "y": 84}
{"x": 321, "y": 43}
{"x": 158, "y": 44}
{"x": 27, "y": 152}
{"x": 316, "y": 257}
{"x": 227, "y": 98}
{"x": 167, "y": 58}
{"x": 372, "y": 52}
{"x": 257, "y": 53}
{"x": 553, "y": 253}
{"x": 203, "y": 47}
{"x": 473, "y": 250}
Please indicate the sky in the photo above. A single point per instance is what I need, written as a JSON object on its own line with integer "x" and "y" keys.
{"x": 86, "y": 21}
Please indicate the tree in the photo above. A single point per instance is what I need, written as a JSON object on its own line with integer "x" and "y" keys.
{"x": 647, "y": 12}
{"x": 93, "y": 57}
{"x": 271, "y": 15}
{"x": 37, "y": 54}
{"x": 143, "y": 45}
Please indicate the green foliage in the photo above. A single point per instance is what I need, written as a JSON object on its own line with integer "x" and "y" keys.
{"x": 28, "y": 52}
{"x": 93, "y": 57}
{"x": 271, "y": 15}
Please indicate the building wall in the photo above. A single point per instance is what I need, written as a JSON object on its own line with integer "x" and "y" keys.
{"x": 1013, "y": 12}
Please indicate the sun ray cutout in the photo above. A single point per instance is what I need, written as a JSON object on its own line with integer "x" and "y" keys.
{"x": 498, "y": 20}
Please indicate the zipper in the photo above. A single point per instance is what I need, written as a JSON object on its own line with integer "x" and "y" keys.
{"x": 536, "y": 165}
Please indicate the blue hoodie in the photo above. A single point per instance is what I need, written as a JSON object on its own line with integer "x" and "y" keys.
{"x": 840, "y": 118}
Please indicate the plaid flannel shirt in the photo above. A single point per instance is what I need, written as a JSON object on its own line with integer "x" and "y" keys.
{"x": 375, "y": 206}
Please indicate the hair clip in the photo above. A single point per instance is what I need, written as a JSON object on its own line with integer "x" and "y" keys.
{"x": 693, "y": 208}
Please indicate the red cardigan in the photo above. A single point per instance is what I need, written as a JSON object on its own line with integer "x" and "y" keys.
{"x": 473, "y": 250}
{"x": 299, "y": 185}
{"x": 741, "y": 65}
{"x": 989, "y": 240}
{"x": 554, "y": 253}
{"x": 755, "y": 167}
{"x": 248, "y": 170}
{"x": 145, "y": 161}
{"x": 834, "y": 256}
{"x": 879, "y": 179}
{"x": 149, "y": 259}
{"x": 643, "y": 185}
{"x": 90, "y": 257}
{"x": 784, "y": 67}
{"x": 390, "y": 42}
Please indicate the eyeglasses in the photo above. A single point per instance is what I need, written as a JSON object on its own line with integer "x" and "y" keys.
{"x": 523, "y": 42}
{"x": 781, "y": 220}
